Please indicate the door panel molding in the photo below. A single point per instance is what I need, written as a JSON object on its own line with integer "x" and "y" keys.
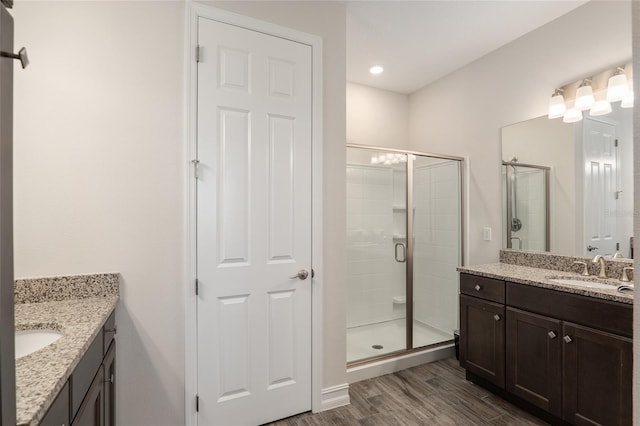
{"x": 194, "y": 12}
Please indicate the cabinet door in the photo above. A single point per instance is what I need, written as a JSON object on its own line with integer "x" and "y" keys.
{"x": 91, "y": 411}
{"x": 534, "y": 359}
{"x": 58, "y": 414}
{"x": 110, "y": 386}
{"x": 597, "y": 374}
{"x": 482, "y": 333}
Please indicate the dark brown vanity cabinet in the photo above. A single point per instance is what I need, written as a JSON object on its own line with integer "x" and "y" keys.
{"x": 482, "y": 328}
{"x": 596, "y": 376}
{"x": 534, "y": 359}
{"x": 567, "y": 355}
{"x": 88, "y": 397}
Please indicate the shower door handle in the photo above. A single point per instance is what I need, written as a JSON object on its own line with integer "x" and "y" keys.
{"x": 404, "y": 253}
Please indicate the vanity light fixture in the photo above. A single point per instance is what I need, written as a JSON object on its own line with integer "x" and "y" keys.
{"x": 557, "y": 108}
{"x": 376, "y": 69}
{"x": 584, "y": 96}
{"x": 572, "y": 116}
{"x": 618, "y": 87}
{"x": 593, "y": 98}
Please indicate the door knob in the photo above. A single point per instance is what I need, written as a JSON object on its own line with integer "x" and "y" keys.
{"x": 301, "y": 275}
{"x": 21, "y": 56}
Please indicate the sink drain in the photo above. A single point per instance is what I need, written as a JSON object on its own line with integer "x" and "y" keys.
{"x": 377, "y": 347}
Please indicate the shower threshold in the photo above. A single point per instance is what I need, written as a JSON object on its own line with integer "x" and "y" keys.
{"x": 364, "y": 342}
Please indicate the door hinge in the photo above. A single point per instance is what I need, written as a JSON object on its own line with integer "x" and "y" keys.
{"x": 197, "y": 404}
{"x": 616, "y": 143}
{"x": 195, "y": 168}
{"x": 197, "y": 286}
{"x": 197, "y": 53}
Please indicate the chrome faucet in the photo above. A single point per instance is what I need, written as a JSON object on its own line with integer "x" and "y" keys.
{"x": 603, "y": 266}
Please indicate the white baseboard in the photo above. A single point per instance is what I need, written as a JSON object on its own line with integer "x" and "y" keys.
{"x": 392, "y": 365}
{"x": 335, "y": 396}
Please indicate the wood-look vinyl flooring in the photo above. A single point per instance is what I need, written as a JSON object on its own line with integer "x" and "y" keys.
{"x": 429, "y": 394}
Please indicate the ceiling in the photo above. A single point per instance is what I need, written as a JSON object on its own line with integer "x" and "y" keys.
{"x": 418, "y": 42}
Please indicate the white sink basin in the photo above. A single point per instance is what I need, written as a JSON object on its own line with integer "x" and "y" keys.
{"x": 29, "y": 341}
{"x": 581, "y": 283}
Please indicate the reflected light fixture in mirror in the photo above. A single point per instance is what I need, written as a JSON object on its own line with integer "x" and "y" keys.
{"x": 601, "y": 107}
{"x": 572, "y": 116}
{"x": 584, "y": 96}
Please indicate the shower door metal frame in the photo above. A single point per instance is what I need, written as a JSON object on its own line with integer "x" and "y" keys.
{"x": 409, "y": 242}
{"x": 509, "y": 165}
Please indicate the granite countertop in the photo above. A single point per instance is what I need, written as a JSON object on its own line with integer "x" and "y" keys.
{"x": 540, "y": 278}
{"x": 42, "y": 374}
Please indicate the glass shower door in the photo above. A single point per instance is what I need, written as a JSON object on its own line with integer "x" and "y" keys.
{"x": 436, "y": 249}
{"x": 526, "y": 199}
{"x": 376, "y": 253}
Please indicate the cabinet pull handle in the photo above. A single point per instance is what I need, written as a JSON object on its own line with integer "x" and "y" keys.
{"x": 551, "y": 335}
{"x": 496, "y": 317}
{"x": 477, "y": 287}
{"x": 110, "y": 379}
{"x": 567, "y": 339}
{"x": 113, "y": 330}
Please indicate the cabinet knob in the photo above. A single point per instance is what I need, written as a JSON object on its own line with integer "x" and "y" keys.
{"x": 552, "y": 335}
{"x": 110, "y": 379}
{"x": 567, "y": 339}
{"x": 496, "y": 317}
{"x": 477, "y": 287}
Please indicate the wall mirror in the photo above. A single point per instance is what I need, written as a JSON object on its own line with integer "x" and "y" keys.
{"x": 568, "y": 188}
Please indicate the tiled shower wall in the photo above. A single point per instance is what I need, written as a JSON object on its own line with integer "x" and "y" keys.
{"x": 437, "y": 244}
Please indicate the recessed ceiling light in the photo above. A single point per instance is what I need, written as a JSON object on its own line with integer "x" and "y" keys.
{"x": 376, "y": 69}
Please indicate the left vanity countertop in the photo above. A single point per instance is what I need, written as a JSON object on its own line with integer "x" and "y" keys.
{"x": 77, "y": 306}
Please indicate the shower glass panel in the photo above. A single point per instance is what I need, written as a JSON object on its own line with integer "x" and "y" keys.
{"x": 436, "y": 249}
{"x": 401, "y": 293}
{"x": 526, "y": 200}
{"x": 376, "y": 253}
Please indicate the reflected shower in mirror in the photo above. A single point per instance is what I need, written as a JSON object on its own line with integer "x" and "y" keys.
{"x": 568, "y": 188}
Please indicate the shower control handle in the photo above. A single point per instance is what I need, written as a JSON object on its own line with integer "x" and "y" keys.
{"x": 404, "y": 253}
{"x": 301, "y": 275}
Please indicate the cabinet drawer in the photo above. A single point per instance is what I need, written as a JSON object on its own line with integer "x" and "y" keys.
{"x": 109, "y": 332}
{"x": 58, "y": 413}
{"x": 85, "y": 372}
{"x": 601, "y": 314}
{"x": 484, "y": 288}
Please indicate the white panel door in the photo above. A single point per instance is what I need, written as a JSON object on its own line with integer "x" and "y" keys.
{"x": 600, "y": 186}
{"x": 253, "y": 226}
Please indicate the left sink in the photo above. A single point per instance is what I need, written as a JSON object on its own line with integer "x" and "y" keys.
{"x": 29, "y": 341}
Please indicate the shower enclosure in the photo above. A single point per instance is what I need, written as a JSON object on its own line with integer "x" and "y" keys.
{"x": 526, "y": 200}
{"x": 401, "y": 292}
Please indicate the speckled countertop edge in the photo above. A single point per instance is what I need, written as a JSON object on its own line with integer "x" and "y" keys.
{"x": 539, "y": 277}
{"x": 42, "y": 374}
